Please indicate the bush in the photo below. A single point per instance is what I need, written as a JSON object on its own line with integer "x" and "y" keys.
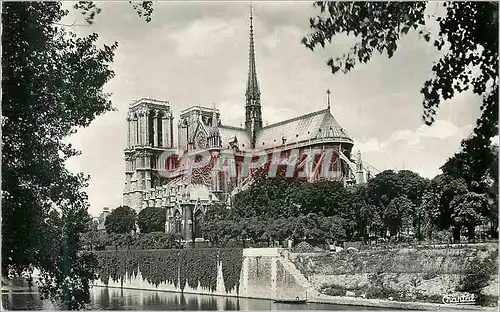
{"x": 429, "y": 275}
{"x": 487, "y": 300}
{"x": 155, "y": 240}
{"x": 441, "y": 236}
{"x": 332, "y": 291}
{"x": 479, "y": 274}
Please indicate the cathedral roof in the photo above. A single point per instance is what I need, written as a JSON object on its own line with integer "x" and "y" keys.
{"x": 229, "y": 133}
{"x": 316, "y": 125}
{"x": 313, "y": 126}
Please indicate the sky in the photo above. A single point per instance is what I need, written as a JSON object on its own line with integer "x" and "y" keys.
{"x": 196, "y": 53}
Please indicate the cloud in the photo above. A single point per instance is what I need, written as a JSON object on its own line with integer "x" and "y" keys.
{"x": 440, "y": 129}
{"x": 371, "y": 145}
{"x": 203, "y": 37}
{"x": 423, "y": 150}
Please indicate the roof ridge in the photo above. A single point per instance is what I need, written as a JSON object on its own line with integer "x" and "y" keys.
{"x": 295, "y": 118}
{"x": 231, "y": 127}
{"x": 199, "y": 107}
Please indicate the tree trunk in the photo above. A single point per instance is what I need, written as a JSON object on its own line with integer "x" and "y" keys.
{"x": 419, "y": 234}
{"x": 471, "y": 231}
{"x": 456, "y": 235}
{"x": 494, "y": 229}
{"x": 365, "y": 233}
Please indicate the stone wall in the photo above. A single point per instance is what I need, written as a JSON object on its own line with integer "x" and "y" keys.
{"x": 424, "y": 275}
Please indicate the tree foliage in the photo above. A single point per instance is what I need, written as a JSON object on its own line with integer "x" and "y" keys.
{"x": 121, "y": 220}
{"x": 52, "y": 84}
{"x": 399, "y": 203}
{"x": 468, "y": 210}
{"x": 468, "y": 37}
{"x": 152, "y": 219}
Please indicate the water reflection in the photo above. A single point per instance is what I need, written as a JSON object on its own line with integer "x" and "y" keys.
{"x": 21, "y": 301}
{"x": 104, "y": 298}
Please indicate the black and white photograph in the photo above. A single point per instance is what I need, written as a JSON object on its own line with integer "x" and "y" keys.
{"x": 250, "y": 155}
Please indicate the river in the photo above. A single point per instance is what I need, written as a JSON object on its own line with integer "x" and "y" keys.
{"x": 104, "y": 298}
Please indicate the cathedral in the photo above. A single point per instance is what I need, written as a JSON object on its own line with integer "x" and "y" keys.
{"x": 156, "y": 180}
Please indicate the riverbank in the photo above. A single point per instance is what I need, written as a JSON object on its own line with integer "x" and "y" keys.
{"x": 388, "y": 304}
{"x": 344, "y": 301}
{"x": 21, "y": 297}
{"x": 403, "y": 279}
{"x": 415, "y": 279}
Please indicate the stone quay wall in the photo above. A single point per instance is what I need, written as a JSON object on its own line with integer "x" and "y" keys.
{"x": 265, "y": 274}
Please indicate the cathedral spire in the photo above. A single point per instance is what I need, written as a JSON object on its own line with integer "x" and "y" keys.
{"x": 253, "y": 114}
{"x": 328, "y": 92}
{"x": 252, "y": 83}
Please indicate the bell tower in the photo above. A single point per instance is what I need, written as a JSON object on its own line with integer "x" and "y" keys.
{"x": 149, "y": 133}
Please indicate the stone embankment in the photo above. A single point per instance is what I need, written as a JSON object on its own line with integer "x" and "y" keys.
{"x": 369, "y": 279}
{"x": 403, "y": 279}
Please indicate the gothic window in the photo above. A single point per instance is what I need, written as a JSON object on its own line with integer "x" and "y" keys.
{"x": 198, "y": 219}
{"x": 177, "y": 222}
{"x": 137, "y": 133}
{"x": 201, "y": 140}
{"x": 160, "y": 129}
{"x": 153, "y": 162}
{"x": 151, "y": 130}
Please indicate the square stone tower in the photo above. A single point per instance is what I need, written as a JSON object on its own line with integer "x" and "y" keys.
{"x": 149, "y": 133}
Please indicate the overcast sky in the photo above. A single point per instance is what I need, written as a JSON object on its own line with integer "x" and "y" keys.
{"x": 197, "y": 54}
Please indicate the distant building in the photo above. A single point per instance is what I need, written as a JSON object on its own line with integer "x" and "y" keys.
{"x": 102, "y": 218}
{"x": 188, "y": 194}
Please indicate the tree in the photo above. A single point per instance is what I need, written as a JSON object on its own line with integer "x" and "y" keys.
{"x": 334, "y": 228}
{"x": 398, "y": 214}
{"x": 121, "y": 220}
{"x": 428, "y": 212}
{"x": 51, "y": 84}
{"x": 469, "y": 210}
{"x": 256, "y": 229}
{"x": 445, "y": 188}
{"x": 92, "y": 235}
{"x": 361, "y": 210}
{"x": 152, "y": 219}
{"x": 384, "y": 187}
{"x": 215, "y": 223}
{"x": 468, "y": 32}
{"x": 283, "y": 228}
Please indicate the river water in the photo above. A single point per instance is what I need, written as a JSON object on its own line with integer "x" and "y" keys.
{"x": 105, "y": 298}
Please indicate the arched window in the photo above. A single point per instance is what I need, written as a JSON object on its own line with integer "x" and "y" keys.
{"x": 198, "y": 219}
{"x": 177, "y": 222}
